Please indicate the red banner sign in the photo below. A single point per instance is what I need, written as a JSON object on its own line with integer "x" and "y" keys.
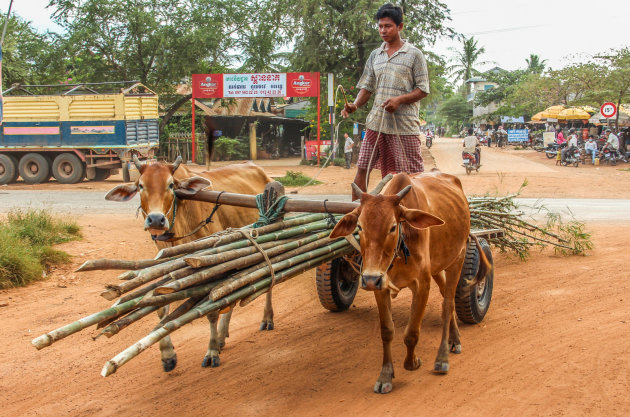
{"x": 290, "y": 84}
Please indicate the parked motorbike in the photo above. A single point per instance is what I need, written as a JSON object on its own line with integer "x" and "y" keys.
{"x": 572, "y": 157}
{"x": 611, "y": 157}
{"x": 470, "y": 162}
{"x": 551, "y": 151}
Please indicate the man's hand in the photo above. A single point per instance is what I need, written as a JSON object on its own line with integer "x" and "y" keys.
{"x": 391, "y": 104}
{"x": 347, "y": 109}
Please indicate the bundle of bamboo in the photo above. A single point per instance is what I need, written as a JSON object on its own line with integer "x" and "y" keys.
{"x": 208, "y": 275}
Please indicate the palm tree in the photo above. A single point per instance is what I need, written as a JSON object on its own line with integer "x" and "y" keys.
{"x": 466, "y": 59}
{"x": 535, "y": 65}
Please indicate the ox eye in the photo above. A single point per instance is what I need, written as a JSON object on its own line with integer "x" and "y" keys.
{"x": 393, "y": 229}
{"x": 171, "y": 186}
{"x": 360, "y": 228}
{"x": 140, "y": 187}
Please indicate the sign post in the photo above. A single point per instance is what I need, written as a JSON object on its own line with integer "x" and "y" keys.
{"x": 286, "y": 84}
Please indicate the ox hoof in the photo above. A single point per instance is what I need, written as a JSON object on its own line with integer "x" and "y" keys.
{"x": 383, "y": 387}
{"x": 169, "y": 364}
{"x": 456, "y": 348}
{"x": 210, "y": 362}
{"x": 440, "y": 367}
{"x": 266, "y": 325}
{"x": 413, "y": 365}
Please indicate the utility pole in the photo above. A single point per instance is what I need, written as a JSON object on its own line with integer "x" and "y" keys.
{"x": 331, "y": 110}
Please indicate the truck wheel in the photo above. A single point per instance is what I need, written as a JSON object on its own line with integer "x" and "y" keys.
{"x": 8, "y": 169}
{"x": 337, "y": 284}
{"x": 34, "y": 168}
{"x": 472, "y": 303}
{"x": 101, "y": 174}
{"x": 68, "y": 169}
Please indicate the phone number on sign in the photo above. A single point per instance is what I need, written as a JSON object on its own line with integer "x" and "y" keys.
{"x": 265, "y": 93}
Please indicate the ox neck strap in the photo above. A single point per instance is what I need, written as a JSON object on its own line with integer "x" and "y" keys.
{"x": 401, "y": 248}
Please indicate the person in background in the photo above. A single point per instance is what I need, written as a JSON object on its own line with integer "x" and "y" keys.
{"x": 591, "y": 148}
{"x": 347, "y": 149}
{"x": 572, "y": 144}
{"x": 471, "y": 145}
{"x": 560, "y": 140}
{"x": 612, "y": 141}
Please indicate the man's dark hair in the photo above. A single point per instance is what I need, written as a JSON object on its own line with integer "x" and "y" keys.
{"x": 470, "y": 131}
{"x": 393, "y": 12}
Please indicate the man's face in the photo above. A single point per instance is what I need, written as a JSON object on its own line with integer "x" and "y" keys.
{"x": 388, "y": 30}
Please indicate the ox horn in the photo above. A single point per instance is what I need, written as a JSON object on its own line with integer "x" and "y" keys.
{"x": 137, "y": 162}
{"x": 357, "y": 190}
{"x": 176, "y": 163}
{"x": 402, "y": 193}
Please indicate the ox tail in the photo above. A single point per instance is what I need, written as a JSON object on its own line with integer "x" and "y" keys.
{"x": 484, "y": 264}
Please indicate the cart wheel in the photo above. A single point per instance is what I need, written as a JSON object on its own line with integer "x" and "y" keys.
{"x": 337, "y": 284}
{"x": 472, "y": 303}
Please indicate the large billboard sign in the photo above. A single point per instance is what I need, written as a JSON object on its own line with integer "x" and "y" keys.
{"x": 290, "y": 84}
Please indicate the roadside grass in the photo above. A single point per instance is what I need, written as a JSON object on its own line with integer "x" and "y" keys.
{"x": 26, "y": 245}
{"x": 295, "y": 179}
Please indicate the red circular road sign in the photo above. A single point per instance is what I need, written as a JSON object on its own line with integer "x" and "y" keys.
{"x": 608, "y": 110}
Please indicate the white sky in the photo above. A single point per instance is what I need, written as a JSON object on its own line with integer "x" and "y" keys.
{"x": 560, "y": 31}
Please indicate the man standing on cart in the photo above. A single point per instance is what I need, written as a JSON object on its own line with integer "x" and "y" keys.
{"x": 396, "y": 74}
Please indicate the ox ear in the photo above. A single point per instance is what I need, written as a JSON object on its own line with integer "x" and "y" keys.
{"x": 122, "y": 192}
{"x": 346, "y": 225}
{"x": 420, "y": 219}
{"x": 192, "y": 185}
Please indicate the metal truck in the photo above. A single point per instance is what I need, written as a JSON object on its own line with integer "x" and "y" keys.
{"x": 77, "y": 133}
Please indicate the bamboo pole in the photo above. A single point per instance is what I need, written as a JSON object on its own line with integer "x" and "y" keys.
{"x": 100, "y": 264}
{"x": 218, "y": 240}
{"x": 144, "y": 290}
{"x": 115, "y": 327}
{"x": 209, "y": 273}
{"x": 203, "y": 309}
{"x": 65, "y": 331}
{"x": 160, "y": 300}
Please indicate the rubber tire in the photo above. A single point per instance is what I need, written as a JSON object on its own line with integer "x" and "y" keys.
{"x": 337, "y": 284}
{"x": 102, "y": 174}
{"x": 471, "y": 307}
{"x": 468, "y": 171}
{"x": 43, "y": 168}
{"x": 10, "y": 165}
{"x": 77, "y": 172}
{"x": 550, "y": 156}
{"x": 125, "y": 172}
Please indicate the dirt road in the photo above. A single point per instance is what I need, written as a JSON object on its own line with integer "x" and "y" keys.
{"x": 554, "y": 342}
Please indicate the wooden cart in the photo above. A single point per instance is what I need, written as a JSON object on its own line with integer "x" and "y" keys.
{"x": 337, "y": 280}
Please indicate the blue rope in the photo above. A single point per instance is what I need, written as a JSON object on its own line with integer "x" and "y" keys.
{"x": 271, "y": 215}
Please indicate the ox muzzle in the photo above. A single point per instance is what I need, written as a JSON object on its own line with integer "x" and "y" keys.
{"x": 372, "y": 282}
{"x": 156, "y": 221}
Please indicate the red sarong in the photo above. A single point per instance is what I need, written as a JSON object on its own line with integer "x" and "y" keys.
{"x": 389, "y": 157}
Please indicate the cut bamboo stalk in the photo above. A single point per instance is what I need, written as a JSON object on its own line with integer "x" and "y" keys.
{"x": 144, "y": 290}
{"x": 125, "y": 276}
{"x": 218, "y": 240}
{"x": 100, "y": 264}
{"x": 160, "y": 300}
{"x": 262, "y": 270}
{"x": 209, "y": 273}
{"x": 184, "y": 308}
{"x": 204, "y": 308}
{"x": 256, "y": 256}
{"x": 115, "y": 327}
{"x": 65, "y": 331}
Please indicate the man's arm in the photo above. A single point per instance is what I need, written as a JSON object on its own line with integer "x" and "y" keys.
{"x": 362, "y": 98}
{"x": 392, "y": 104}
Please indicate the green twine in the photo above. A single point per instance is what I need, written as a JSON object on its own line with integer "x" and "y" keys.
{"x": 274, "y": 212}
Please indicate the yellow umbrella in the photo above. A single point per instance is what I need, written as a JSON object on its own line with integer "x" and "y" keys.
{"x": 554, "y": 110}
{"x": 590, "y": 109}
{"x": 538, "y": 117}
{"x": 573, "y": 113}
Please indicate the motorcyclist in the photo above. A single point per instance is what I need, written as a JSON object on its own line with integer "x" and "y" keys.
{"x": 572, "y": 144}
{"x": 471, "y": 146}
{"x": 612, "y": 141}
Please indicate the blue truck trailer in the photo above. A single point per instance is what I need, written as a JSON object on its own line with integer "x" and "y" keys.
{"x": 76, "y": 134}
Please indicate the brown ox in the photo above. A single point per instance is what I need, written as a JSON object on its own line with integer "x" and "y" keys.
{"x": 405, "y": 212}
{"x": 165, "y": 214}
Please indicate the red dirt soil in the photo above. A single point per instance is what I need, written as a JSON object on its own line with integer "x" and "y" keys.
{"x": 555, "y": 341}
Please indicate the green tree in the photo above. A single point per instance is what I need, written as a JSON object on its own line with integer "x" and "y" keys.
{"x": 456, "y": 112}
{"x": 615, "y": 85}
{"x": 535, "y": 65}
{"x": 29, "y": 56}
{"x": 466, "y": 60}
